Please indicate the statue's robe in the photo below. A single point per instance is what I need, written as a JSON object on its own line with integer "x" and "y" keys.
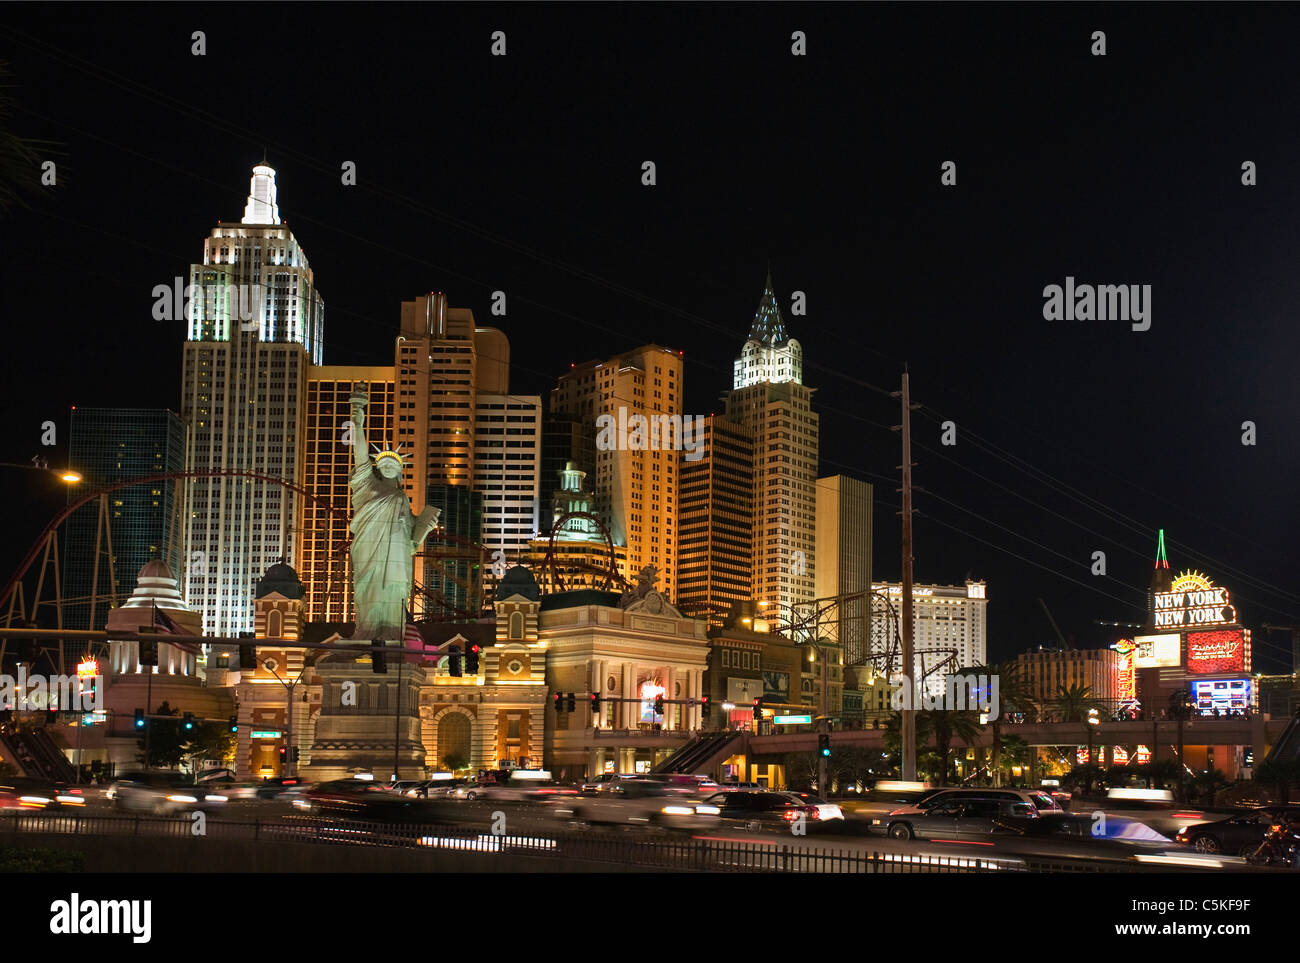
{"x": 382, "y": 565}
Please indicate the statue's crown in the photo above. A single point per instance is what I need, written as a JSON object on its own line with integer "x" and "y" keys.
{"x": 388, "y": 453}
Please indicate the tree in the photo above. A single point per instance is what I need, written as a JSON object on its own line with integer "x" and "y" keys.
{"x": 210, "y": 740}
{"x": 1010, "y": 751}
{"x": 166, "y": 743}
{"x": 1279, "y": 774}
{"x": 893, "y": 738}
{"x": 455, "y": 760}
{"x": 1073, "y": 703}
{"x": 946, "y": 725}
{"x": 1014, "y": 695}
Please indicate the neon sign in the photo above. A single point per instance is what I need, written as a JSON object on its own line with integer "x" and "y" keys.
{"x": 1193, "y": 601}
{"x": 1127, "y": 689}
{"x": 87, "y": 669}
{"x": 1213, "y": 652}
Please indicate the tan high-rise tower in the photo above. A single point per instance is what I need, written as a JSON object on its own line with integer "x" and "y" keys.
{"x": 636, "y": 478}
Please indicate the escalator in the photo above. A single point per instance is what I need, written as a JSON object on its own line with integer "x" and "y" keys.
{"x": 1287, "y": 746}
{"x": 700, "y": 754}
{"x": 36, "y": 755}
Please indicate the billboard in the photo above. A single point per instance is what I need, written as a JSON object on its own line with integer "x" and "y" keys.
{"x": 1193, "y": 601}
{"x": 1212, "y": 653}
{"x": 1158, "y": 651}
{"x": 1226, "y": 695}
{"x": 1127, "y": 650}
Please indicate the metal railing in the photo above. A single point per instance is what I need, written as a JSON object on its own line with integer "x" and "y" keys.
{"x": 688, "y": 854}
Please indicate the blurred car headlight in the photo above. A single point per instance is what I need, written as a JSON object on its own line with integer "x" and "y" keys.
{"x": 215, "y": 799}
{"x": 178, "y": 798}
{"x": 34, "y": 800}
{"x": 71, "y": 800}
{"x": 708, "y": 810}
{"x": 678, "y": 810}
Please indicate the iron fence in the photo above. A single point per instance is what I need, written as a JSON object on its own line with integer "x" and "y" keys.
{"x": 665, "y": 853}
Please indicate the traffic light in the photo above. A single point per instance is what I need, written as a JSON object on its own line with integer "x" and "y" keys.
{"x": 558, "y": 701}
{"x": 704, "y": 707}
{"x": 187, "y": 722}
{"x": 284, "y": 754}
{"x": 573, "y": 702}
{"x": 659, "y": 705}
{"x": 51, "y": 716}
{"x": 471, "y": 659}
{"x": 378, "y": 660}
{"x": 824, "y": 744}
{"x": 296, "y": 750}
{"x": 247, "y": 652}
{"x": 595, "y": 704}
{"x": 234, "y": 723}
{"x": 139, "y": 718}
{"x": 453, "y": 661}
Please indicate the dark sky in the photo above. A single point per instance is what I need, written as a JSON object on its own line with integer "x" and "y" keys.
{"x": 522, "y": 173}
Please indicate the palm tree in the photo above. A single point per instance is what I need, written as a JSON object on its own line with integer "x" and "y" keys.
{"x": 1014, "y": 695}
{"x": 945, "y": 725}
{"x": 1073, "y": 703}
{"x": 893, "y": 738}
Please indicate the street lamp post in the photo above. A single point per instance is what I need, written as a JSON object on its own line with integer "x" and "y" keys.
{"x": 269, "y": 666}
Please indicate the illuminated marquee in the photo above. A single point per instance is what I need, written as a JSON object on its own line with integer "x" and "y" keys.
{"x": 1209, "y": 653}
{"x": 88, "y": 668}
{"x": 1193, "y": 601}
{"x": 1156, "y": 651}
{"x": 1127, "y": 676}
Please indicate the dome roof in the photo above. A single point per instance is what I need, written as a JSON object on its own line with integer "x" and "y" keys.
{"x": 519, "y": 581}
{"x": 280, "y": 578}
{"x": 156, "y": 568}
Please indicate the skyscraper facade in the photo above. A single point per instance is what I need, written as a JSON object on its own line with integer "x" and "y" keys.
{"x": 947, "y": 621}
{"x": 716, "y": 524}
{"x": 844, "y": 539}
{"x": 636, "y": 478}
{"x": 255, "y": 324}
{"x": 479, "y": 450}
{"x": 108, "y": 446}
{"x": 322, "y": 562}
{"x": 769, "y": 398}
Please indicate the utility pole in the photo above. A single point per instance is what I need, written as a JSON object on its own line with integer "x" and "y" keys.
{"x": 908, "y": 727}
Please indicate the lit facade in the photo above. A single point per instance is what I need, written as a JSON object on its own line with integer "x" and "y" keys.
{"x": 635, "y": 490}
{"x": 1048, "y": 671}
{"x": 844, "y": 540}
{"x": 769, "y": 398}
{"x": 946, "y": 620}
{"x": 327, "y": 460}
{"x": 716, "y": 523}
{"x": 255, "y": 324}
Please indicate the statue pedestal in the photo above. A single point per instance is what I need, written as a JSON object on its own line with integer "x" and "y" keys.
{"x": 360, "y": 722}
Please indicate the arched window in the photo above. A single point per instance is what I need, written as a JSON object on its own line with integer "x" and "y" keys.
{"x": 274, "y": 624}
{"x": 516, "y": 625}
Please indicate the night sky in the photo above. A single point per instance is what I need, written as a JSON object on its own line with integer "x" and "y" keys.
{"x": 523, "y": 173}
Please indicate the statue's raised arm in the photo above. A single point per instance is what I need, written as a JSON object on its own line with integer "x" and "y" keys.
{"x": 360, "y": 398}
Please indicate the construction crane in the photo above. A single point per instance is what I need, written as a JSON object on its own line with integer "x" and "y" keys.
{"x": 1055, "y": 628}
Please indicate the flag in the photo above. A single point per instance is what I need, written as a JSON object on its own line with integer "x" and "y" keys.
{"x": 164, "y": 624}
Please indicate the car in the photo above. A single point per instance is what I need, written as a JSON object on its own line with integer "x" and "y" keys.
{"x": 1239, "y": 834}
{"x": 161, "y": 792}
{"x": 359, "y": 799}
{"x": 826, "y": 811}
{"x": 526, "y": 785}
{"x": 281, "y": 786}
{"x": 960, "y": 816}
{"x": 758, "y": 810}
{"x": 406, "y": 787}
{"x": 1040, "y": 800}
{"x": 241, "y": 791}
{"x": 21, "y": 793}
{"x": 886, "y": 796}
{"x": 599, "y": 782}
{"x": 638, "y": 802}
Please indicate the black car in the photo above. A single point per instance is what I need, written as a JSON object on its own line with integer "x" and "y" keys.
{"x": 758, "y": 810}
{"x": 360, "y": 799}
{"x": 1238, "y": 835}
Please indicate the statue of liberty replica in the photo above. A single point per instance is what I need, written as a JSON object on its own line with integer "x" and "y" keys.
{"x": 369, "y": 716}
{"x": 386, "y": 534}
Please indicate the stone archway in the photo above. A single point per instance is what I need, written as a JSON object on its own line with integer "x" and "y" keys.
{"x": 450, "y": 730}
